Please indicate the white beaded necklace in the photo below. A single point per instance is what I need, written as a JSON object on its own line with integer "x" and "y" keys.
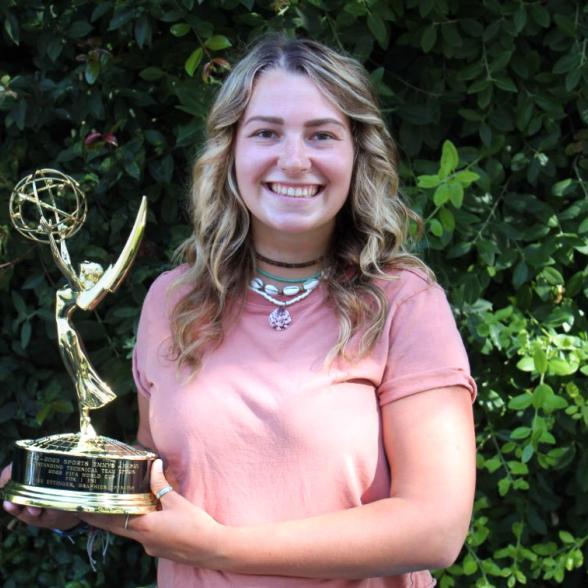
{"x": 280, "y": 318}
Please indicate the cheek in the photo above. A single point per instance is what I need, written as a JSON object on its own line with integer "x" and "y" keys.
{"x": 339, "y": 169}
{"x": 250, "y": 166}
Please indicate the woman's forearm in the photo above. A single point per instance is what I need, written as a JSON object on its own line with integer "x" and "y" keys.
{"x": 422, "y": 526}
{"x": 384, "y": 538}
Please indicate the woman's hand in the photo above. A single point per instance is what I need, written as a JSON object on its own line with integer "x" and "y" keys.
{"x": 179, "y": 531}
{"x": 46, "y": 518}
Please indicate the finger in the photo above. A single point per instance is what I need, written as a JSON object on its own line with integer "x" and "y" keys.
{"x": 34, "y": 511}
{"x": 5, "y": 475}
{"x": 159, "y": 483}
{"x": 114, "y": 523}
{"x": 11, "y": 508}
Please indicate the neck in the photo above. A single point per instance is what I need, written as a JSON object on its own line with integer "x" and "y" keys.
{"x": 291, "y": 248}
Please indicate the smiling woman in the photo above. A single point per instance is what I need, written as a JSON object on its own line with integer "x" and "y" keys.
{"x": 300, "y": 373}
{"x": 293, "y": 160}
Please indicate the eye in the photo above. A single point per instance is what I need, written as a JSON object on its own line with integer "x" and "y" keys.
{"x": 264, "y": 134}
{"x": 323, "y": 136}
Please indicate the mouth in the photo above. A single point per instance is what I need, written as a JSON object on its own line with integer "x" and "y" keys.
{"x": 300, "y": 191}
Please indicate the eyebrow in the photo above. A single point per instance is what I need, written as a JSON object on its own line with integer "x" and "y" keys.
{"x": 315, "y": 122}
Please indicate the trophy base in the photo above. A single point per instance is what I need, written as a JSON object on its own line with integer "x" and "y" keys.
{"x": 70, "y": 500}
{"x": 81, "y": 474}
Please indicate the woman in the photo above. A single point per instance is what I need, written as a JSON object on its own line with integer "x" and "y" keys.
{"x": 300, "y": 374}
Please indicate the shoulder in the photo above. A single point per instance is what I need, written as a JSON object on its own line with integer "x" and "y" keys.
{"x": 167, "y": 288}
{"x": 403, "y": 284}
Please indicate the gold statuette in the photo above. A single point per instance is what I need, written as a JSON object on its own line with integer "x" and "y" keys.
{"x": 76, "y": 471}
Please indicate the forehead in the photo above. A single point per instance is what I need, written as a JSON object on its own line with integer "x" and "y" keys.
{"x": 283, "y": 94}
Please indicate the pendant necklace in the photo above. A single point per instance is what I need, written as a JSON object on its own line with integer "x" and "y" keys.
{"x": 280, "y": 318}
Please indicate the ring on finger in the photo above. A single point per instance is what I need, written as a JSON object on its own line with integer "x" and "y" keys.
{"x": 163, "y": 492}
{"x": 127, "y": 522}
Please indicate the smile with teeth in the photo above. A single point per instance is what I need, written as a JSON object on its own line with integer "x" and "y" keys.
{"x": 294, "y": 191}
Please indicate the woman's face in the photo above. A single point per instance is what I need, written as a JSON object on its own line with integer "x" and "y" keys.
{"x": 293, "y": 158}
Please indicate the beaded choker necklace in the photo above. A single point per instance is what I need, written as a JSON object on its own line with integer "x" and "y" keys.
{"x": 288, "y": 280}
{"x": 285, "y": 264}
{"x": 279, "y": 319}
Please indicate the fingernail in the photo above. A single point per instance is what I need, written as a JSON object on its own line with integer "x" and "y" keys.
{"x": 158, "y": 465}
{"x": 8, "y": 506}
{"x": 33, "y": 511}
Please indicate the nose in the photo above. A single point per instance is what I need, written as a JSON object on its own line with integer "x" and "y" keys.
{"x": 294, "y": 158}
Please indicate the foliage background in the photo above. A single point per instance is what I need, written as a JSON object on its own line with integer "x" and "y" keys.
{"x": 484, "y": 95}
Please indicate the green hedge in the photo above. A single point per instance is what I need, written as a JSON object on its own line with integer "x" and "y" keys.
{"x": 488, "y": 101}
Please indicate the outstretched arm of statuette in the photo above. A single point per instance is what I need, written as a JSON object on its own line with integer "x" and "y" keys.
{"x": 115, "y": 274}
{"x": 63, "y": 261}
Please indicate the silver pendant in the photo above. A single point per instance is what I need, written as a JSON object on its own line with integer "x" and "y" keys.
{"x": 279, "y": 319}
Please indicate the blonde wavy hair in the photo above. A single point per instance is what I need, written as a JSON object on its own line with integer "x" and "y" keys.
{"x": 371, "y": 229}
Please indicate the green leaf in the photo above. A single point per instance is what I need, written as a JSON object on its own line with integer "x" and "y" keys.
{"x": 562, "y": 187}
{"x": 539, "y": 14}
{"x": 442, "y": 194}
{"x": 520, "y": 274}
{"x": 11, "y": 27}
{"x": 92, "y": 71}
{"x": 541, "y": 393}
{"x": 520, "y": 18}
{"x": 356, "y": 9}
{"x": 565, "y": 24}
{"x": 583, "y": 228}
{"x": 54, "y": 49}
{"x": 100, "y": 10}
{"x": 554, "y": 403}
{"x": 470, "y": 565}
{"x": 520, "y": 433}
{"x": 217, "y": 42}
{"x": 143, "y": 31}
{"x": 493, "y": 464}
{"x": 520, "y": 402}
{"x": 151, "y": 74}
{"x": 506, "y": 84}
{"x": 466, "y": 177}
{"x": 552, "y": 276}
{"x": 567, "y": 63}
{"x": 455, "y": 193}
{"x": 429, "y": 38}
{"x": 121, "y": 17}
{"x": 79, "y": 29}
{"x": 180, "y": 29}
{"x": 428, "y": 181}
{"x": 526, "y": 364}
{"x": 378, "y": 29}
{"x": 504, "y": 486}
{"x": 193, "y": 61}
{"x": 518, "y": 468}
{"x": 563, "y": 367}
{"x": 450, "y": 34}
{"x": 566, "y": 537}
{"x": 527, "y": 453}
{"x": 436, "y": 227}
{"x": 540, "y": 360}
{"x": 447, "y": 219}
{"x": 25, "y": 334}
{"x": 43, "y": 413}
{"x": 133, "y": 169}
{"x": 449, "y": 159}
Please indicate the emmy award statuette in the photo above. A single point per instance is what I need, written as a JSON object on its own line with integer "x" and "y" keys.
{"x": 76, "y": 471}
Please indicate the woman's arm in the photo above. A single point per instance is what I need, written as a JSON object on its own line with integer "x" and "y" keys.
{"x": 430, "y": 444}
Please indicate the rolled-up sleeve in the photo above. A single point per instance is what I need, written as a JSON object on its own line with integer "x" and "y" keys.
{"x": 425, "y": 348}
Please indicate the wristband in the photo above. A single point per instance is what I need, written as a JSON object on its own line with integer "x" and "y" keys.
{"x": 80, "y": 528}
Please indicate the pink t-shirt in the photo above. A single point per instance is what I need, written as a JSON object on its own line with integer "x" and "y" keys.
{"x": 265, "y": 432}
